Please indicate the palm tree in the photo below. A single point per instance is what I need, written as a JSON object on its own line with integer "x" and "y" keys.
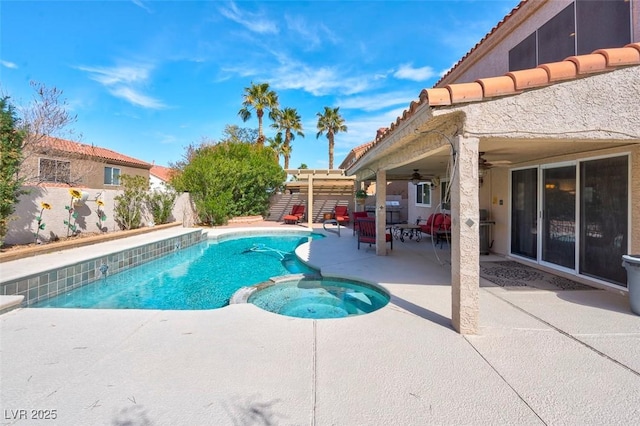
{"x": 277, "y": 145}
{"x": 288, "y": 120}
{"x": 330, "y": 122}
{"x": 260, "y": 98}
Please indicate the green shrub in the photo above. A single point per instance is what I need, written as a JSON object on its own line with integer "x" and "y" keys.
{"x": 160, "y": 203}
{"x": 230, "y": 179}
{"x": 129, "y": 204}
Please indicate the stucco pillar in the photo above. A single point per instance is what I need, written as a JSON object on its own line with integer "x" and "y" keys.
{"x": 465, "y": 249}
{"x": 310, "y": 203}
{"x": 381, "y": 212}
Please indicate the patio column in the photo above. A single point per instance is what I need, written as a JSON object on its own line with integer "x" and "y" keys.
{"x": 381, "y": 212}
{"x": 465, "y": 247}
{"x": 309, "y": 209}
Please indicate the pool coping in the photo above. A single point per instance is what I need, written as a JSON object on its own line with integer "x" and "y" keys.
{"x": 243, "y": 294}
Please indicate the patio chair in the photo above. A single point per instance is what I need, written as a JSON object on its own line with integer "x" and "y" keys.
{"x": 341, "y": 214}
{"x": 296, "y": 215}
{"x": 367, "y": 232}
{"x": 355, "y": 216}
{"x": 438, "y": 226}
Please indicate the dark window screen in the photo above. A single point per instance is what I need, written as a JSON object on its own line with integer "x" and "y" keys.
{"x": 556, "y": 38}
{"x": 602, "y": 24}
{"x": 604, "y": 209}
{"x": 523, "y": 56}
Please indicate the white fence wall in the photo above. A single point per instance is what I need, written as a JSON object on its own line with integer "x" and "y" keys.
{"x": 24, "y": 224}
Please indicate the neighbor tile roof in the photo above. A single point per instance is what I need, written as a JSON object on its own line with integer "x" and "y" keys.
{"x": 162, "y": 173}
{"x": 357, "y": 152}
{"x": 66, "y": 146}
{"x": 515, "y": 82}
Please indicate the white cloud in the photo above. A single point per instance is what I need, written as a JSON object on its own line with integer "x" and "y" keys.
{"x": 133, "y": 96}
{"x": 310, "y": 33}
{"x": 166, "y": 139}
{"x": 319, "y": 81}
{"x": 123, "y": 82}
{"x": 363, "y": 129}
{"x": 9, "y": 64}
{"x": 118, "y": 75}
{"x": 377, "y": 102}
{"x": 254, "y": 22}
{"x": 407, "y": 72}
{"x": 141, "y": 4}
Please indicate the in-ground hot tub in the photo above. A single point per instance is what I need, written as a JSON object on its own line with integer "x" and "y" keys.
{"x": 315, "y": 297}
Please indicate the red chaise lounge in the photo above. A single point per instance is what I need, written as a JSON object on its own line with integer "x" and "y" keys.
{"x": 296, "y": 215}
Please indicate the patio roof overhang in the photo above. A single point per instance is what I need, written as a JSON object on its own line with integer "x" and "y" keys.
{"x": 588, "y": 113}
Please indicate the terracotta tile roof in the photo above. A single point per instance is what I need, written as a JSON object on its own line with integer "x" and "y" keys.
{"x": 358, "y": 151}
{"x": 70, "y": 147}
{"x": 515, "y": 82}
{"x": 162, "y": 173}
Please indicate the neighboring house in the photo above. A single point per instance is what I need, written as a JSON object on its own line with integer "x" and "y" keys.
{"x": 548, "y": 143}
{"x": 160, "y": 176}
{"x": 60, "y": 162}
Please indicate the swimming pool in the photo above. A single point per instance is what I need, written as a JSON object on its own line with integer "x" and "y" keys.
{"x": 203, "y": 276}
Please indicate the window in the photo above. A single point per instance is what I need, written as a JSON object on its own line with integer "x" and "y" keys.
{"x": 423, "y": 194}
{"x": 55, "y": 170}
{"x": 580, "y": 28}
{"x": 111, "y": 176}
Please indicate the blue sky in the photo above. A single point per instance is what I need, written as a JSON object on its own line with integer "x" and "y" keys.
{"x": 147, "y": 78}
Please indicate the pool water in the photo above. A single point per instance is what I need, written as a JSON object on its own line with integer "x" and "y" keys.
{"x": 320, "y": 298}
{"x": 203, "y": 276}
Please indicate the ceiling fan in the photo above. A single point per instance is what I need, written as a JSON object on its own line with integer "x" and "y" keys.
{"x": 483, "y": 164}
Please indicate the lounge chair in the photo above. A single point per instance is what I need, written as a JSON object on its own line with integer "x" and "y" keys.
{"x": 296, "y": 215}
{"x": 367, "y": 232}
{"x": 341, "y": 214}
{"x": 355, "y": 216}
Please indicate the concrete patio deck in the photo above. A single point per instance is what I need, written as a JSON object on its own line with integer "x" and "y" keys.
{"x": 541, "y": 357}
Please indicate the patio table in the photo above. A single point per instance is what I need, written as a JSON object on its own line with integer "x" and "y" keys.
{"x": 407, "y": 230}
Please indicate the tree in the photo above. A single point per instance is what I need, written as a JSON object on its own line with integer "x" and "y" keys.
{"x": 276, "y": 144}
{"x": 258, "y": 97}
{"x": 331, "y": 122}
{"x": 232, "y": 133}
{"x": 230, "y": 179}
{"x": 11, "y": 140}
{"x": 46, "y": 116}
{"x": 287, "y": 120}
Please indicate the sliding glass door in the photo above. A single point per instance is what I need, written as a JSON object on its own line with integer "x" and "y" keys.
{"x": 524, "y": 213}
{"x": 583, "y": 212}
{"x": 559, "y": 216}
{"x": 604, "y": 215}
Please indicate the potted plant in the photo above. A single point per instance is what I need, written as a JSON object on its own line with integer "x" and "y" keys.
{"x": 361, "y": 196}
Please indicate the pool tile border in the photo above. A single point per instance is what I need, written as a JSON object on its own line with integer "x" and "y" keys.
{"x": 50, "y": 283}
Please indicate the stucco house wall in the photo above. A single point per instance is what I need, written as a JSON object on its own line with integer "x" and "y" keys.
{"x": 491, "y": 57}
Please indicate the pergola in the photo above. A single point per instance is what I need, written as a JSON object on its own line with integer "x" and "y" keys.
{"x": 320, "y": 181}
